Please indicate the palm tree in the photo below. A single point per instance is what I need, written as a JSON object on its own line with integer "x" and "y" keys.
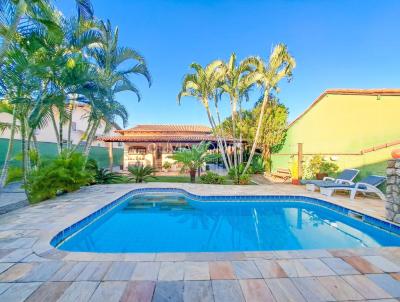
{"x": 113, "y": 77}
{"x": 193, "y": 158}
{"x": 268, "y": 75}
{"x": 238, "y": 82}
{"x": 202, "y": 84}
{"x": 141, "y": 173}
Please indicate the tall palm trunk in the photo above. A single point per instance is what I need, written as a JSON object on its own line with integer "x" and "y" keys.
{"x": 259, "y": 126}
{"x": 91, "y": 136}
{"x": 85, "y": 134}
{"x": 25, "y": 156}
{"x": 219, "y": 141}
{"x": 53, "y": 121}
{"x": 10, "y": 149}
{"x": 223, "y": 139}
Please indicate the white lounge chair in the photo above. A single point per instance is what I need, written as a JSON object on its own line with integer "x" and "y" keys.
{"x": 345, "y": 177}
{"x": 368, "y": 184}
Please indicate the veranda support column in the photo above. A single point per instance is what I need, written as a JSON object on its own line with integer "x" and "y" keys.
{"x": 110, "y": 156}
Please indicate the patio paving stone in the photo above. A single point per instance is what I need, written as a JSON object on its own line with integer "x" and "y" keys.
{"x": 362, "y": 265}
{"x": 246, "y": 270}
{"x": 171, "y": 271}
{"x": 227, "y": 291}
{"x": 138, "y": 291}
{"x": 221, "y": 270}
{"x": 196, "y": 271}
{"x": 256, "y": 290}
{"x": 19, "y": 292}
{"x": 339, "y": 266}
{"x": 168, "y": 291}
{"x": 94, "y": 271}
{"x": 16, "y": 272}
{"x": 294, "y": 268}
{"x": 120, "y": 271}
{"x": 49, "y": 291}
{"x": 312, "y": 289}
{"x": 316, "y": 267}
{"x": 383, "y": 263}
{"x": 69, "y": 272}
{"x": 270, "y": 269}
{"x": 366, "y": 287}
{"x": 42, "y": 271}
{"x": 385, "y": 281}
{"x": 198, "y": 291}
{"x": 146, "y": 271}
{"x": 109, "y": 291}
{"x": 340, "y": 289}
{"x": 284, "y": 290}
{"x": 79, "y": 292}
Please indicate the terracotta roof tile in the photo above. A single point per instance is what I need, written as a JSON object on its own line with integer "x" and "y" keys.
{"x": 158, "y": 138}
{"x": 168, "y": 128}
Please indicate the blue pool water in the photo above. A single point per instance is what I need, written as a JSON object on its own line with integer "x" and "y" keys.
{"x": 173, "y": 223}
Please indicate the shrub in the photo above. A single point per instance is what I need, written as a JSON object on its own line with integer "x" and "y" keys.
{"x": 101, "y": 175}
{"x": 316, "y": 164}
{"x": 236, "y": 174}
{"x": 65, "y": 173}
{"x": 257, "y": 165}
{"x": 141, "y": 173}
{"x": 14, "y": 174}
{"x": 212, "y": 178}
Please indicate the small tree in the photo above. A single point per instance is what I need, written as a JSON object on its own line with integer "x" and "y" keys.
{"x": 273, "y": 128}
{"x": 194, "y": 158}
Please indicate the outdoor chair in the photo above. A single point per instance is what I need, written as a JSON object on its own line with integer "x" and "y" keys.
{"x": 345, "y": 177}
{"x": 283, "y": 174}
{"x": 368, "y": 184}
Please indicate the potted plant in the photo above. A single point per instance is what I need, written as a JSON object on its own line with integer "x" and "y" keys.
{"x": 326, "y": 169}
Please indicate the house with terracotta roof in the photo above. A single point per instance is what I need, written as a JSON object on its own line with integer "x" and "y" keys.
{"x": 355, "y": 128}
{"x": 154, "y": 144}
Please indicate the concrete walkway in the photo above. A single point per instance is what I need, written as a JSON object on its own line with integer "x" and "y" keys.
{"x": 32, "y": 270}
{"x": 12, "y": 197}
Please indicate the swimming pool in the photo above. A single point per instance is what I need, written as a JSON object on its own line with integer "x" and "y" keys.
{"x": 178, "y": 222}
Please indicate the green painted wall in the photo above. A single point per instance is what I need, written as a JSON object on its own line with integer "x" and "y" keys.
{"x": 50, "y": 150}
{"x": 340, "y": 124}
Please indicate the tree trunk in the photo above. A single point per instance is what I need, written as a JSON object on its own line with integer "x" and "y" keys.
{"x": 85, "y": 134}
{"x": 221, "y": 148}
{"x": 90, "y": 138}
{"x": 259, "y": 126}
{"x": 4, "y": 172}
{"x": 192, "y": 173}
{"x": 53, "y": 121}
{"x": 25, "y": 157}
{"x": 266, "y": 154}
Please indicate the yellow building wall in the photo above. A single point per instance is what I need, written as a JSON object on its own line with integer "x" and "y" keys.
{"x": 345, "y": 124}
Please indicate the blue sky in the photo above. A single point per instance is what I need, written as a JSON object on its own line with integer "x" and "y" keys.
{"x": 337, "y": 44}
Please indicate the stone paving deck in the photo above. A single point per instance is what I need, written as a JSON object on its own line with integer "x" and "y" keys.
{"x": 31, "y": 270}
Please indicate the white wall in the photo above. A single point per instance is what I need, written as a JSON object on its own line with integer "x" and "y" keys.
{"x": 79, "y": 118}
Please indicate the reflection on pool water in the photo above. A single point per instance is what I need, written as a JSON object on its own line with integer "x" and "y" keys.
{"x": 173, "y": 223}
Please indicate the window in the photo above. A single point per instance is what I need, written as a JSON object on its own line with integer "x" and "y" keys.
{"x": 73, "y": 125}
{"x": 119, "y": 144}
{"x": 137, "y": 150}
